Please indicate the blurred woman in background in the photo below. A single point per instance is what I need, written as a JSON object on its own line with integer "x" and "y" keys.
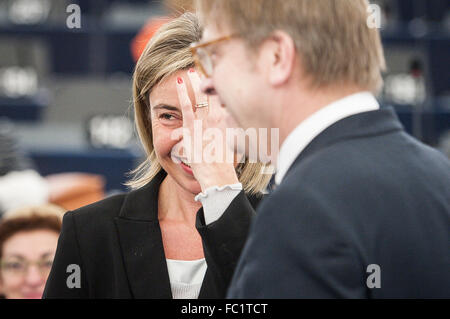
{"x": 169, "y": 237}
{"x": 28, "y": 239}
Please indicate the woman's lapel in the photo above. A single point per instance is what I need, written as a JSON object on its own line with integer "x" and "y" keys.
{"x": 141, "y": 243}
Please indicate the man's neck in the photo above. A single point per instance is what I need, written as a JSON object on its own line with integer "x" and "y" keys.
{"x": 307, "y": 102}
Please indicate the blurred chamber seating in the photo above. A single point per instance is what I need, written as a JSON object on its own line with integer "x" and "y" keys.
{"x": 55, "y": 80}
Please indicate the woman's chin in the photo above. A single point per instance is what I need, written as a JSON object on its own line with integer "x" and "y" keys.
{"x": 193, "y": 187}
{"x": 185, "y": 180}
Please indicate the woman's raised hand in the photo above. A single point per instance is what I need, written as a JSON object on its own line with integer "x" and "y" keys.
{"x": 204, "y": 136}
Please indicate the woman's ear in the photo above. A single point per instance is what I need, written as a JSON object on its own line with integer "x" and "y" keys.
{"x": 279, "y": 56}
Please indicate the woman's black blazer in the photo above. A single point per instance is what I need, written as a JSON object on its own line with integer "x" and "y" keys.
{"x": 113, "y": 248}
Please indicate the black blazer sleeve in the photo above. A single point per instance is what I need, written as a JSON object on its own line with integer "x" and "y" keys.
{"x": 224, "y": 239}
{"x": 67, "y": 278}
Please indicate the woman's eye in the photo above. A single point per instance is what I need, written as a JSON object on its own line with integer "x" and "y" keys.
{"x": 14, "y": 266}
{"x": 166, "y": 116}
{"x": 46, "y": 264}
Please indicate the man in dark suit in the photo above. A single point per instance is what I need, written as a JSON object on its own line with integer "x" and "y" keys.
{"x": 360, "y": 209}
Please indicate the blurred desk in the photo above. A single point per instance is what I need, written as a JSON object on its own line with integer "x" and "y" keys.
{"x": 74, "y": 190}
{"x": 93, "y": 49}
{"x": 23, "y": 108}
{"x": 113, "y": 165}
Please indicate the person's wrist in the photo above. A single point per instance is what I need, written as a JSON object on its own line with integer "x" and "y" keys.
{"x": 215, "y": 174}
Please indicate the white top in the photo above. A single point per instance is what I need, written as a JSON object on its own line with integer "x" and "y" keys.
{"x": 186, "y": 277}
{"x": 315, "y": 124}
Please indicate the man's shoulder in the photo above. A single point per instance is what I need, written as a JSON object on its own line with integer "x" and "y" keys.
{"x": 337, "y": 163}
{"x": 387, "y": 158}
{"x": 354, "y": 177}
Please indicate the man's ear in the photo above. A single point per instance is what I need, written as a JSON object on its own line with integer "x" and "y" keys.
{"x": 279, "y": 56}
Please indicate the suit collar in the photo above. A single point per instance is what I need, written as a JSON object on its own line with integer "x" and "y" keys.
{"x": 142, "y": 204}
{"x": 318, "y": 122}
{"x": 365, "y": 124}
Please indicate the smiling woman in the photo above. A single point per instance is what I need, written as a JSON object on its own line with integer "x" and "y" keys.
{"x": 171, "y": 236}
{"x": 167, "y": 57}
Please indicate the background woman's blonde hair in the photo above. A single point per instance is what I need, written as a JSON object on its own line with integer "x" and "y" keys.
{"x": 165, "y": 54}
{"x": 39, "y": 210}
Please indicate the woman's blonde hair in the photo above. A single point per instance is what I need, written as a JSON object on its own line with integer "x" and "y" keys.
{"x": 165, "y": 54}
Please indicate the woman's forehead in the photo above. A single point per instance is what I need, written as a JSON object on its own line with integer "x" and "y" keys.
{"x": 34, "y": 243}
{"x": 165, "y": 92}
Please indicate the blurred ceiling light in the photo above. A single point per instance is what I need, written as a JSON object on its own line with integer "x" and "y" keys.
{"x": 29, "y": 12}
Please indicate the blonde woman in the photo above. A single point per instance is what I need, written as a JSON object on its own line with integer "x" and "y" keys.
{"x": 166, "y": 238}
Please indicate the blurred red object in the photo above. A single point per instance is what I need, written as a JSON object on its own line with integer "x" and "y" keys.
{"x": 140, "y": 41}
{"x": 74, "y": 190}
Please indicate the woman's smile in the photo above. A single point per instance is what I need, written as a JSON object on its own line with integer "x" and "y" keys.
{"x": 187, "y": 168}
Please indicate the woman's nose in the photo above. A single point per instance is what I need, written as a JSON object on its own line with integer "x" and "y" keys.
{"x": 34, "y": 276}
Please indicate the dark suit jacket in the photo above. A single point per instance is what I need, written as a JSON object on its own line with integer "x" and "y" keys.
{"x": 362, "y": 193}
{"x": 118, "y": 246}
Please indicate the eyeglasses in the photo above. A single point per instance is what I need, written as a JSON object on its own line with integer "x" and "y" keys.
{"x": 20, "y": 267}
{"x": 202, "y": 57}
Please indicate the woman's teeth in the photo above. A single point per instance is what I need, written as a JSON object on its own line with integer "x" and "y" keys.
{"x": 186, "y": 164}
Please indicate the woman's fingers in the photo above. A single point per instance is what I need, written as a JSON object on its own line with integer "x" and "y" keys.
{"x": 201, "y": 99}
{"x": 185, "y": 103}
{"x": 188, "y": 118}
{"x": 201, "y": 122}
